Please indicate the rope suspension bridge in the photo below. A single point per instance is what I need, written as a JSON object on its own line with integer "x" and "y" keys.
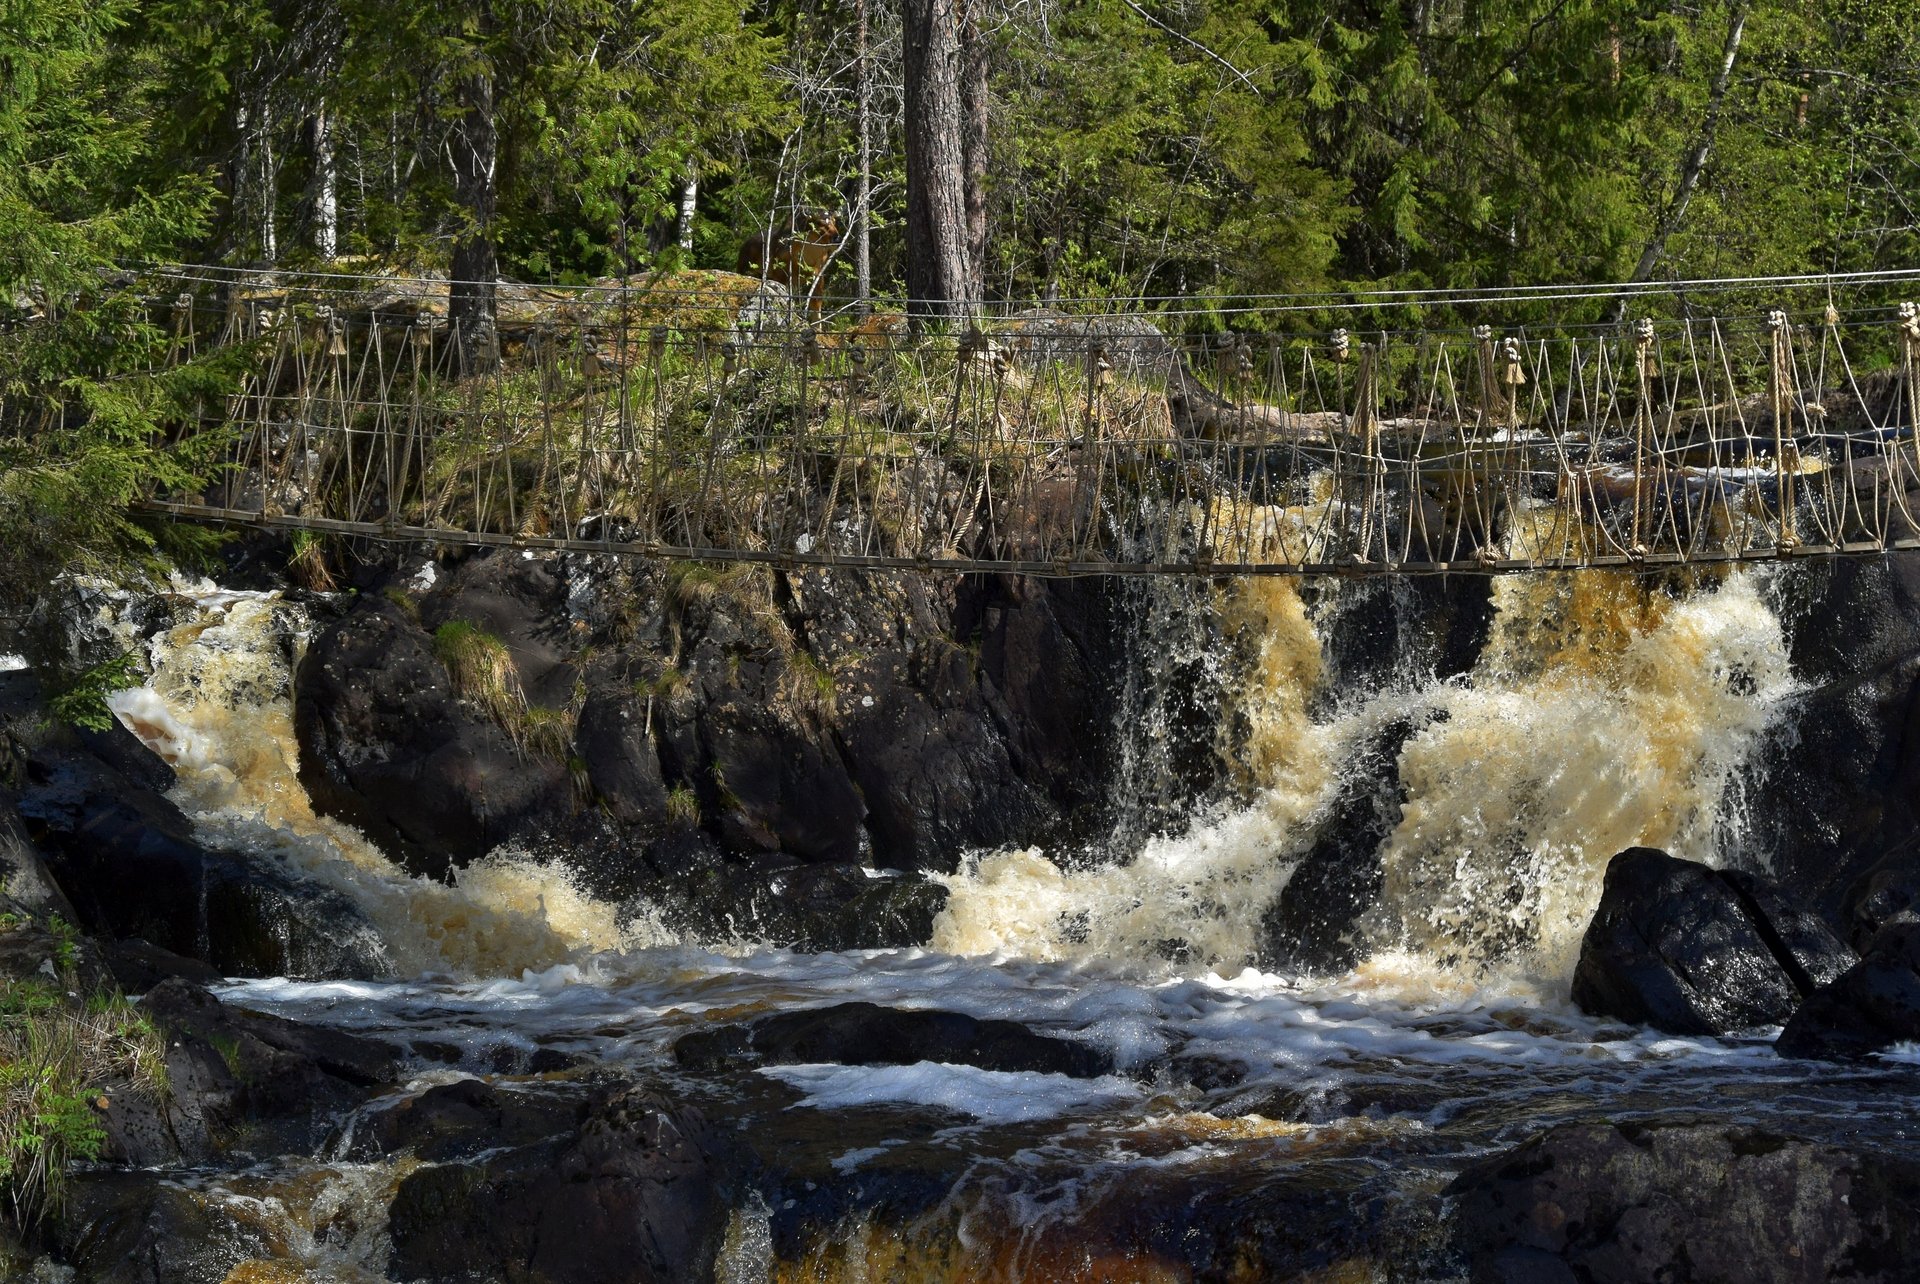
{"x": 720, "y": 425}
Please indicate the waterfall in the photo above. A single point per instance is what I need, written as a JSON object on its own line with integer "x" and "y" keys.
{"x": 1603, "y": 711}
{"x": 218, "y": 707}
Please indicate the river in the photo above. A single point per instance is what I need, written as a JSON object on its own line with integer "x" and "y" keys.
{"x": 1258, "y": 1121}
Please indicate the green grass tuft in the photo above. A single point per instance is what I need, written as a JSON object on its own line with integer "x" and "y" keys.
{"x": 482, "y": 672}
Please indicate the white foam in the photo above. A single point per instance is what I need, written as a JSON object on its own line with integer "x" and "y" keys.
{"x": 990, "y": 1096}
{"x": 12, "y": 663}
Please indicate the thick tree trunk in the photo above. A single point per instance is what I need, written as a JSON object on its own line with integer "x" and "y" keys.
{"x": 940, "y": 272}
{"x": 973, "y": 99}
{"x": 472, "y": 296}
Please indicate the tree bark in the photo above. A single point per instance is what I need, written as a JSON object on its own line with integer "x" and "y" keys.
{"x": 940, "y": 271}
{"x": 973, "y": 98}
{"x": 326, "y": 182}
{"x": 472, "y": 303}
{"x": 863, "y": 168}
{"x": 689, "y": 200}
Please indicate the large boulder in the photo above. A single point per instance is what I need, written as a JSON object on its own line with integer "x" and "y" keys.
{"x": 1688, "y": 1204}
{"x": 131, "y": 866}
{"x": 636, "y": 1195}
{"x": 1868, "y": 1008}
{"x": 387, "y": 745}
{"x": 1841, "y": 803}
{"x": 832, "y": 718}
{"x": 1693, "y": 950}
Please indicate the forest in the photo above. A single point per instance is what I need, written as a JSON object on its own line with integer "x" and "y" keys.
{"x": 1200, "y": 149}
{"x": 1180, "y": 159}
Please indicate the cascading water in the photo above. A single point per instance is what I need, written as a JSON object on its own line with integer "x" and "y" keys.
{"x": 218, "y": 709}
{"x": 1600, "y": 712}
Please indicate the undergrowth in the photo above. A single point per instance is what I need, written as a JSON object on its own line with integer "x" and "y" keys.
{"x": 482, "y": 671}
{"x": 59, "y": 1056}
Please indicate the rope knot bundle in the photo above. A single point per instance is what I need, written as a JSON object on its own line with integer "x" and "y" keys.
{"x": 1516, "y": 375}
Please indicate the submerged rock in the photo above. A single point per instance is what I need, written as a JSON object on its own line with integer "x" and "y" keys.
{"x": 460, "y": 1120}
{"x": 636, "y": 1196}
{"x": 1869, "y": 1008}
{"x": 1607, "y": 1203}
{"x": 811, "y": 907}
{"x": 1692, "y": 950}
{"x": 866, "y": 1034}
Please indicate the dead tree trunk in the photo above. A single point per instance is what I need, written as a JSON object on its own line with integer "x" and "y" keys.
{"x": 940, "y": 117}
{"x": 472, "y": 302}
{"x": 863, "y": 169}
{"x": 1697, "y": 155}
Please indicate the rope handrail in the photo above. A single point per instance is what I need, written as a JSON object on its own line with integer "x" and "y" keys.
{"x": 1048, "y": 446}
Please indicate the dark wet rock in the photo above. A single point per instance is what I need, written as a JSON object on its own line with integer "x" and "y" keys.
{"x": 1381, "y": 629}
{"x": 636, "y": 1195}
{"x": 386, "y": 745}
{"x": 935, "y": 778}
{"x": 772, "y": 718}
{"x": 1841, "y": 799}
{"x": 138, "y": 1228}
{"x": 621, "y": 764}
{"x": 1687, "y": 1202}
{"x": 1889, "y": 892}
{"x": 460, "y": 1120}
{"x": 120, "y": 750}
{"x": 128, "y": 861}
{"x": 1870, "y": 1007}
{"x": 1315, "y": 923}
{"x": 866, "y": 1034}
{"x": 811, "y": 907}
{"x": 24, "y": 877}
{"x": 1693, "y": 950}
{"x": 138, "y": 966}
{"x": 241, "y": 1070}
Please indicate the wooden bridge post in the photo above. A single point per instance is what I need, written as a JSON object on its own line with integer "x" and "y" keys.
{"x": 1644, "y": 363}
{"x": 1781, "y": 370}
{"x": 1909, "y": 369}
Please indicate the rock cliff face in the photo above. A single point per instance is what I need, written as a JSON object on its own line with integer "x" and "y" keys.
{"x": 1839, "y": 806}
{"x": 654, "y": 722}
